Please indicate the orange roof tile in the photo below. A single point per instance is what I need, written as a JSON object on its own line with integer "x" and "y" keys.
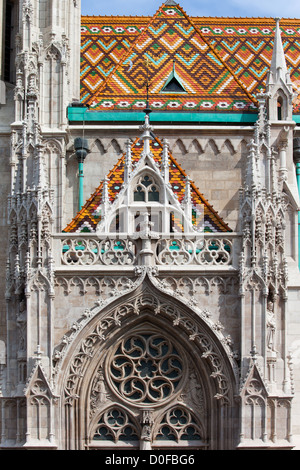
{"x": 223, "y": 62}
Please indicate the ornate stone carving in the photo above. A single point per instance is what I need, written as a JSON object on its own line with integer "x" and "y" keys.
{"x": 147, "y": 421}
{"x": 83, "y": 252}
{"x": 116, "y": 425}
{"x": 189, "y": 286}
{"x": 178, "y": 424}
{"x": 271, "y": 327}
{"x": 146, "y": 369}
{"x": 192, "y": 394}
{"x": 211, "y": 251}
{"x": 99, "y": 393}
{"x": 198, "y": 250}
{"x": 106, "y": 286}
{"x": 114, "y": 318}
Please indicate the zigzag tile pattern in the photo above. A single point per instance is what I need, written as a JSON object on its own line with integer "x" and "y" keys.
{"x": 221, "y": 62}
{"x": 248, "y": 48}
{"x": 87, "y": 219}
{"x": 102, "y": 48}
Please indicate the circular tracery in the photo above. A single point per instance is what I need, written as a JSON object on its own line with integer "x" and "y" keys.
{"x": 146, "y": 369}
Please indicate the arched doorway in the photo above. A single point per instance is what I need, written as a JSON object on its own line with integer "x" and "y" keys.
{"x": 158, "y": 378}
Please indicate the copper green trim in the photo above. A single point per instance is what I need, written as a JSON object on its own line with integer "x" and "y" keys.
{"x": 82, "y": 114}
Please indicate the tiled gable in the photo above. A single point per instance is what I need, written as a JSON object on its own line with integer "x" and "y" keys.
{"x": 89, "y": 217}
{"x": 169, "y": 37}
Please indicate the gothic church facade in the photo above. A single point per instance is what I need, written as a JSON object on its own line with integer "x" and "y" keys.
{"x": 150, "y": 279}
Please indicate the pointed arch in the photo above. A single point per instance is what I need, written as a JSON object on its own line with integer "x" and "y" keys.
{"x": 54, "y": 146}
{"x": 254, "y": 396}
{"x": 227, "y": 146}
{"x": 281, "y": 100}
{"x": 53, "y": 52}
{"x": 212, "y": 146}
{"x": 179, "y": 147}
{"x": 39, "y": 282}
{"x": 113, "y": 425}
{"x": 33, "y": 210}
{"x": 254, "y": 282}
{"x": 144, "y": 314}
{"x": 97, "y": 146}
{"x": 179, "y": 424}
{"x": 39, "y": 394}
{"x": 51, "y": 93}
{"x": 116, "y": 147}
{"x": 195, "y": 146}
{"x": 146, "y": 189}
{"x": 13, "y": 216}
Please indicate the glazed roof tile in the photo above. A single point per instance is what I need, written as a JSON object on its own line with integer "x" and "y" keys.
{"x": 222, "y": 62}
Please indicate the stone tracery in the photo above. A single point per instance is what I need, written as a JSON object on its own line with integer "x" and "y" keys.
{"x": 140, "y": 359}
{"x": 146, "y": 369}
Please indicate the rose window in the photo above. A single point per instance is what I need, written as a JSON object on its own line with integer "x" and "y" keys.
{"x": 146, "y": 369}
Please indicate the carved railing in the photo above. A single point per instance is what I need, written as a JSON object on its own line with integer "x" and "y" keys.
{"x": 207, "y": 249}
{"x": 201, "y": 251}
{"x": 82, "y": 251}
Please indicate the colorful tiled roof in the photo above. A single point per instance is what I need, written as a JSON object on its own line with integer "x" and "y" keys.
{"x": 88, "y": 218}
{"x": 221, "y": 62}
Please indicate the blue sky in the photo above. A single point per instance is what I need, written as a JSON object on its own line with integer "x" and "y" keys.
{"x": 253, "y": 8}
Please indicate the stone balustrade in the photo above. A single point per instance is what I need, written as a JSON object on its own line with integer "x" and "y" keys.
{"x": 199, "y": 250}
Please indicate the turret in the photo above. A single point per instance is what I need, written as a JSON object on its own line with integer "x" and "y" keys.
{"x": 279, "y": 85}
{"x": 48, "y": 37}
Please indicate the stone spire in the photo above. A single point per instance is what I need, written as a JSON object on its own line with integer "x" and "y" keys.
{"x": 279, "y": 86}
{"x": 278, "y": 69}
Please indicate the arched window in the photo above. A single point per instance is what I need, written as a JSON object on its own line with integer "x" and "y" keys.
{"x": 178, "y": 424}
{"x": 146, "y": 190}
{"x": 139, "y": 194}
{"x": 147, "y": 393}
{"x": 279, "y": 108}
{"x": 115, "y": 425}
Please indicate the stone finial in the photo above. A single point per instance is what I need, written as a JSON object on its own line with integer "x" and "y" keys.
{"x": 278, "y": 67}
{"x": 146, "y": 136}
